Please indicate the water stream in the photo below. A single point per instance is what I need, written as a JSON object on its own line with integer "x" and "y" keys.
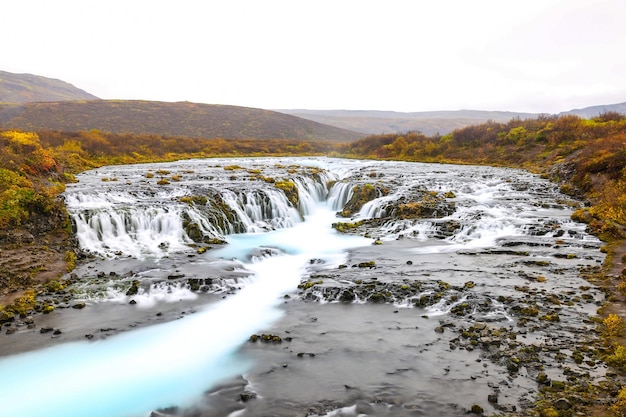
{"x": 506, "y": 231}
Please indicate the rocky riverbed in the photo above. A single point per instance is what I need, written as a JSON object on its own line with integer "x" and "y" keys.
{"x": 460, "y": 289}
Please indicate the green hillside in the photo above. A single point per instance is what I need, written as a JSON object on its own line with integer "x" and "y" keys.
{"x": 26, "y": 88}
{"x": 171, "y": 119}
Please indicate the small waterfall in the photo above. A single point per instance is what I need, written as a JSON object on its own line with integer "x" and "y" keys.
{"x": 339, "y": 194}
{"x": 262, "y": 210}
{"x": 133, "y": 219}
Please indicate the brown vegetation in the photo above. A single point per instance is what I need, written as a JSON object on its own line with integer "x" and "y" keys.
{"x": 192, "y": 120}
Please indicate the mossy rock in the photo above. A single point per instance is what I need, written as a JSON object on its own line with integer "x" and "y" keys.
{"x": 362, "y": 194}
{"x": 134, "y": 288}
{"x": 291, "y": 191}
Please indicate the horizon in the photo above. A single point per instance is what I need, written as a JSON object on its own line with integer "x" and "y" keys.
{"x": 332, "y": 109}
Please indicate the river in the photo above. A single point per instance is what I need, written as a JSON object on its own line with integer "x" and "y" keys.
{"x": 455, "y": 286}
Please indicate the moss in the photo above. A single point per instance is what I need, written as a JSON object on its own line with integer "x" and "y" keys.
{"x": 290, "y": 190}
{"x": 54, "y": 286}
{"x": 24, "y": 304}
{"x": 345, "y": 227}
{"x": 70, "y": 260}
{"x": 232, "y": 167}
{"x": 361, "y": 194}
{"x": 309, "y": 284}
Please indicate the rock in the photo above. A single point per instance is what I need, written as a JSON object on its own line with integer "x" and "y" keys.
{"x": 6, "y": 316}
{"x": 347, "y": 296}
{"x": 79, "y": 306}
{"x": 134, "y": 288}
{"x": 492, "y": 398}
{"x": 247, "y": 396}
{"x": 132, "y": 302}
{"x": 45, "y": 330}
{"x": 562, "y": 404}
{"x": 57, "y": 332}
{"x": 11, "y": 330}
{"x": 476, "y": 409}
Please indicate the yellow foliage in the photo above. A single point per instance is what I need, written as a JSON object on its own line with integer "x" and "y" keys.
{"x": 21, "y": 138}
{"x": 619, "y": 407}
{"x": 613, "y": 325}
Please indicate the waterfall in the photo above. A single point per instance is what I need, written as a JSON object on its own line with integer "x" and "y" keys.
{"x": 135, "y": 220}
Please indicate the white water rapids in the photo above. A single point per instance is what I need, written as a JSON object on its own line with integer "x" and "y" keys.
{"x": 129, "y": 220}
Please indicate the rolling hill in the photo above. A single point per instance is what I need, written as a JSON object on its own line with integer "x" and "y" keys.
{"x": 170, "y": 119}
{"x": 25, "y": 88}
{"x": 428, "y": 122}
{"x": 380, "y": 122}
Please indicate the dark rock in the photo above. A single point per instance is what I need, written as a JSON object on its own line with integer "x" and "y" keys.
{"x": 11, "y": 330}
{"x": 45, "y": 330}
{"x": 247, "y": 396}
{"x": 6, "y": 316}
{"x": 57, "y": 332}
{"x": 79, "y": 306}
{"x": 476, "y": 409}
{"x": 132, "y": 302}
{"x": 347, "y": 296}
{"x": 492, "y": 398}
{"x": 562, "y": 404}
{"x": 134, "y": 288}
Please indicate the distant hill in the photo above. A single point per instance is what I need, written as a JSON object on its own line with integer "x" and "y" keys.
{"x": 169, "y": 119}
{"x": 593, "y": 111}
{"x": 429, "y": 123}
{"x": 26, "y": 88}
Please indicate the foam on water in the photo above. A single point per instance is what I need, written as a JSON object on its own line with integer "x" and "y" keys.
{"x": 172, "y": 363}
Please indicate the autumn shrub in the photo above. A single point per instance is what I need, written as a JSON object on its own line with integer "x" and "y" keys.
{"x": 617, "y": 358}
{"x": 613, "y": 325}
{"x": 619, "y": 406}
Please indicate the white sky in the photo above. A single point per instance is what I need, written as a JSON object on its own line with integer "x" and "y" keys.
{"x": 405, "y": 55}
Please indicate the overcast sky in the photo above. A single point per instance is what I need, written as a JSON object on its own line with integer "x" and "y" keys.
{"x": 541, "y": 56}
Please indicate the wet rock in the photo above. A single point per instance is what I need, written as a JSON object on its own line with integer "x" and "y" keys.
{"x": 247, "y": 396}
{"x": 476, "y": 409}
{"x": 44, "y": 330}
{"x": 266, "y": 338}
{"x": 562, "y": 404}
{"x": 134, "y": 288}
{"x": 492, "y": 398}
{"x": 79, "y": 306}
{"x": 11, "y": 330}
{"x": 347, "y": 296}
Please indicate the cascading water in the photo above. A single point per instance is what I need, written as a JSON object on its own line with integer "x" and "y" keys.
{"x": 432, "y": 224}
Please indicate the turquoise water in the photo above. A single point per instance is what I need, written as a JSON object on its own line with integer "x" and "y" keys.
{"x": 170, "y": 364}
